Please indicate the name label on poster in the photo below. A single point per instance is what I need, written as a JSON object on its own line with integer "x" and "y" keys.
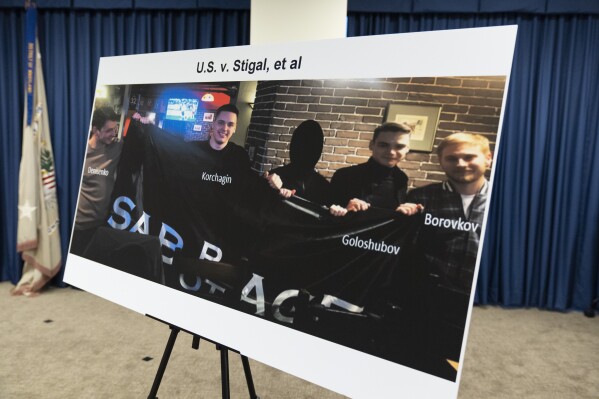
{"x": 370, "y": 245}
{"x": 94, "y": 171}
{"x": 215, "y": 177}
{"x": 459, "y": 224}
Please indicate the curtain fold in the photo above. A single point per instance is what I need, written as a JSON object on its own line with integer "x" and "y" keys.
{"x": 71, "y": 43}
{"x": 12, "y": 26}
{"x": 543, "y": 232}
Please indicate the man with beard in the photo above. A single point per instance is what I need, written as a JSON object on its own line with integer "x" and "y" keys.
{"x": 454, "y": 209}
{"x": 99, "y": 175}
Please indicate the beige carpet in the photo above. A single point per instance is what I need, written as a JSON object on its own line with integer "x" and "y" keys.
{"x": 94, "y": 349}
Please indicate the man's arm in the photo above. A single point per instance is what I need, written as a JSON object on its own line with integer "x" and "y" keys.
{"x": 343, "y": 195}
{"x": 414, "y": 203}
{"x": 342, "y": 185}
{"x": 276, "y": 183}
{"x": 274, "y": 180}
{"x": 357, "y": 205}
{"x": 410, "y": 208}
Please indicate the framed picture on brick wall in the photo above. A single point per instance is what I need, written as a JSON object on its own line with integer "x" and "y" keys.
{"x": 423, "y": 119}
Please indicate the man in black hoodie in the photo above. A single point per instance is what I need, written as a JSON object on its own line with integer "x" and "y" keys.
{"x": 299, "y": 176}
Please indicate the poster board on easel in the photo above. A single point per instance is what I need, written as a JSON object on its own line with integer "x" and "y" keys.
{"x": 360, "y": 359}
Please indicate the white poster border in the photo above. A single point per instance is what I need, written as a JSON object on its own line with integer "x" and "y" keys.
{"x": 466, "y": 52}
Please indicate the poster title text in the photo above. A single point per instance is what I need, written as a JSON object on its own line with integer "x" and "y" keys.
{"x": 249, "y": 66}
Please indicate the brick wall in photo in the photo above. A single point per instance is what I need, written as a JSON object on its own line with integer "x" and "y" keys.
{"x": 349, "y": 111}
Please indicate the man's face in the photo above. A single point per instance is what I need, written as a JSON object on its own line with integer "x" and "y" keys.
{"x": 390, "y": 148}
{"x": 464, "y": 163}
{"x": 223, "y": 128}
{"x": 108, "y": 133}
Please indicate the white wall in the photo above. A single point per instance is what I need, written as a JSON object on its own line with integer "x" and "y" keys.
{"x": 277, "y": 21}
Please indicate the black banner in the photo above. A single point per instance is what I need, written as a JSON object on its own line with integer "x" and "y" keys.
{"x": 226, "y": 236}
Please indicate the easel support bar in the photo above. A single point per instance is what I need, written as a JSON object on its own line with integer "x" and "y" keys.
{"x": 165, "y": 357}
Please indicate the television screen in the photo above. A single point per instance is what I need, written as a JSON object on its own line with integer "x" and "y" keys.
{"x": 182, "y": 109}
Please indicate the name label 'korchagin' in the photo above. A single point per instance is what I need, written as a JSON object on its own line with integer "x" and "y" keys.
{"x": 215, "y": 177}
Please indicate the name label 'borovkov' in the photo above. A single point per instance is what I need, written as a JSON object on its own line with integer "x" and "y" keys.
{"x": 459, "y": 224}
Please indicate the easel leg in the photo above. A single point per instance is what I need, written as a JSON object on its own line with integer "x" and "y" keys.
{"x": 224, "y": 370}
{"x": 590, "y": 311}
{"x": 195, "y": 343}
{"x": 248, "y": 377}
{"x": 165, "y": 357}
{"x": 224, "y": 363}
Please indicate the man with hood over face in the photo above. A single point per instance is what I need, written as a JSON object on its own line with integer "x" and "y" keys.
{"x": 299, "y": 176}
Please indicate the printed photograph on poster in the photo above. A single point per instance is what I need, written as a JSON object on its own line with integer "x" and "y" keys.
{"x": 422, "y": 119}
{"x": 207, "y": 222}
{"x": 338, "y": 212}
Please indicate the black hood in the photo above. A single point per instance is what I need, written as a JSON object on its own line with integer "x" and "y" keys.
{"x": 306, "y": 145}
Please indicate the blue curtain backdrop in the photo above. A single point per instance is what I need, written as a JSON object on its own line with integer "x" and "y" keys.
{"x": 71, "y": 42}
{"x": 542, "y": 243}
{"x": 541, "y": 247}
{"x": 11, "y": 127}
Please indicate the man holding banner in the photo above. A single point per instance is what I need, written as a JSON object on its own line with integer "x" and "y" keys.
{"x": 454, "y": 209}
{"x": 37, "y": 235}
{"x": 379, "y": 181}
{"x": 99, "y": 176}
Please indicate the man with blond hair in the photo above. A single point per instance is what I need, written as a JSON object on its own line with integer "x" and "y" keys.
{"x": 454, "y": 209}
